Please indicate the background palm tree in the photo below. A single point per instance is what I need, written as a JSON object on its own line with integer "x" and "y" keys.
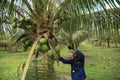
{"x": 35, "y": 19}
{"x": 107, "y": 26}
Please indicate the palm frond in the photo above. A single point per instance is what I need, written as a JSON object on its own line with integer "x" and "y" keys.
{"x": 57, "y": 12}
{"x": 29, "y": 58}
{"x": 29, "y": 7}
{"x": 17, "y": 37}
{"x": 73, "y": 39}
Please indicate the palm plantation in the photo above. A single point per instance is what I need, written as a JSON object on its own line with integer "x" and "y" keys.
{"x": 66, "y": 22}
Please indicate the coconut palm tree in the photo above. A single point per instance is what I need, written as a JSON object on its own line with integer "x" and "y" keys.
{"x": 38, "y": 19}
{"x": 107, "y": 27}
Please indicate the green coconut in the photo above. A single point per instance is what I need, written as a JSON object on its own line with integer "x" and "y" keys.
{"x": 29, "y": 27}
{"x": 14, "y": 19}
{"x": 49, "y": 53}
{"x": 44, "y": 48}
{"x": 14, "y": 25}
{"x": 43, "y": 41}
{"x": 19, "y": 25}
{"x": 57, "y": 48}
{"x": 27, "y": 20}
{"x": 38, "y": 48}
{"x": 22, "y": 19}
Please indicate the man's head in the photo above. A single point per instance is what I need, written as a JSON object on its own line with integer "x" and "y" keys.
{"x": 72, "y": 50}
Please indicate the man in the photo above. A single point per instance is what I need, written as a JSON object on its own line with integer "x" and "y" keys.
{"x": 77, "y": 64}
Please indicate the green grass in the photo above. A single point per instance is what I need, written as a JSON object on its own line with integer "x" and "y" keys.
{"x": 9, "y": 63}
{"x": 100, "y": 63}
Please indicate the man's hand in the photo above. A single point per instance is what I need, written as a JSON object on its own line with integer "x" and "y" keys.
{"x": 73, "y": 51}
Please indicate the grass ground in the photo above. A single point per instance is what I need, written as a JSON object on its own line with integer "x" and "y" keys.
{"x": 100, "y": 63}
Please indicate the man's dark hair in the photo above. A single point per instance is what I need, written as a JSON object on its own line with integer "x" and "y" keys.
{"x": 70, "y": 47}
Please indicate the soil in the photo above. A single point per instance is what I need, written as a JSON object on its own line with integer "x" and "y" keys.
{"x": 2, "y": 64}
{"x": 88, "y": 58}
{"x": 116, "y": 50}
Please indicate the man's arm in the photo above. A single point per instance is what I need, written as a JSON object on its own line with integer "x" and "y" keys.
{"x": 65, "y": 61}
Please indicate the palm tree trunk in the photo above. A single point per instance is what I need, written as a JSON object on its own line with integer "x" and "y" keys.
{"x": 45, "y": 65}
{"x": 36, "y": 69}
{"x": 108, "y": 42}
{"x": 45, "y": 61}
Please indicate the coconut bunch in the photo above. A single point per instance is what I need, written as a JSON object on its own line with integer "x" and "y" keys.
{"x": 26, "y": 43}
{"x": 21, "y": 23}
{"x": 44, "y": 47}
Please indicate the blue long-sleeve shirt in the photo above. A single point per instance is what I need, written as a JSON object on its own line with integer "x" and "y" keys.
{"x": 77, "y": 66}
